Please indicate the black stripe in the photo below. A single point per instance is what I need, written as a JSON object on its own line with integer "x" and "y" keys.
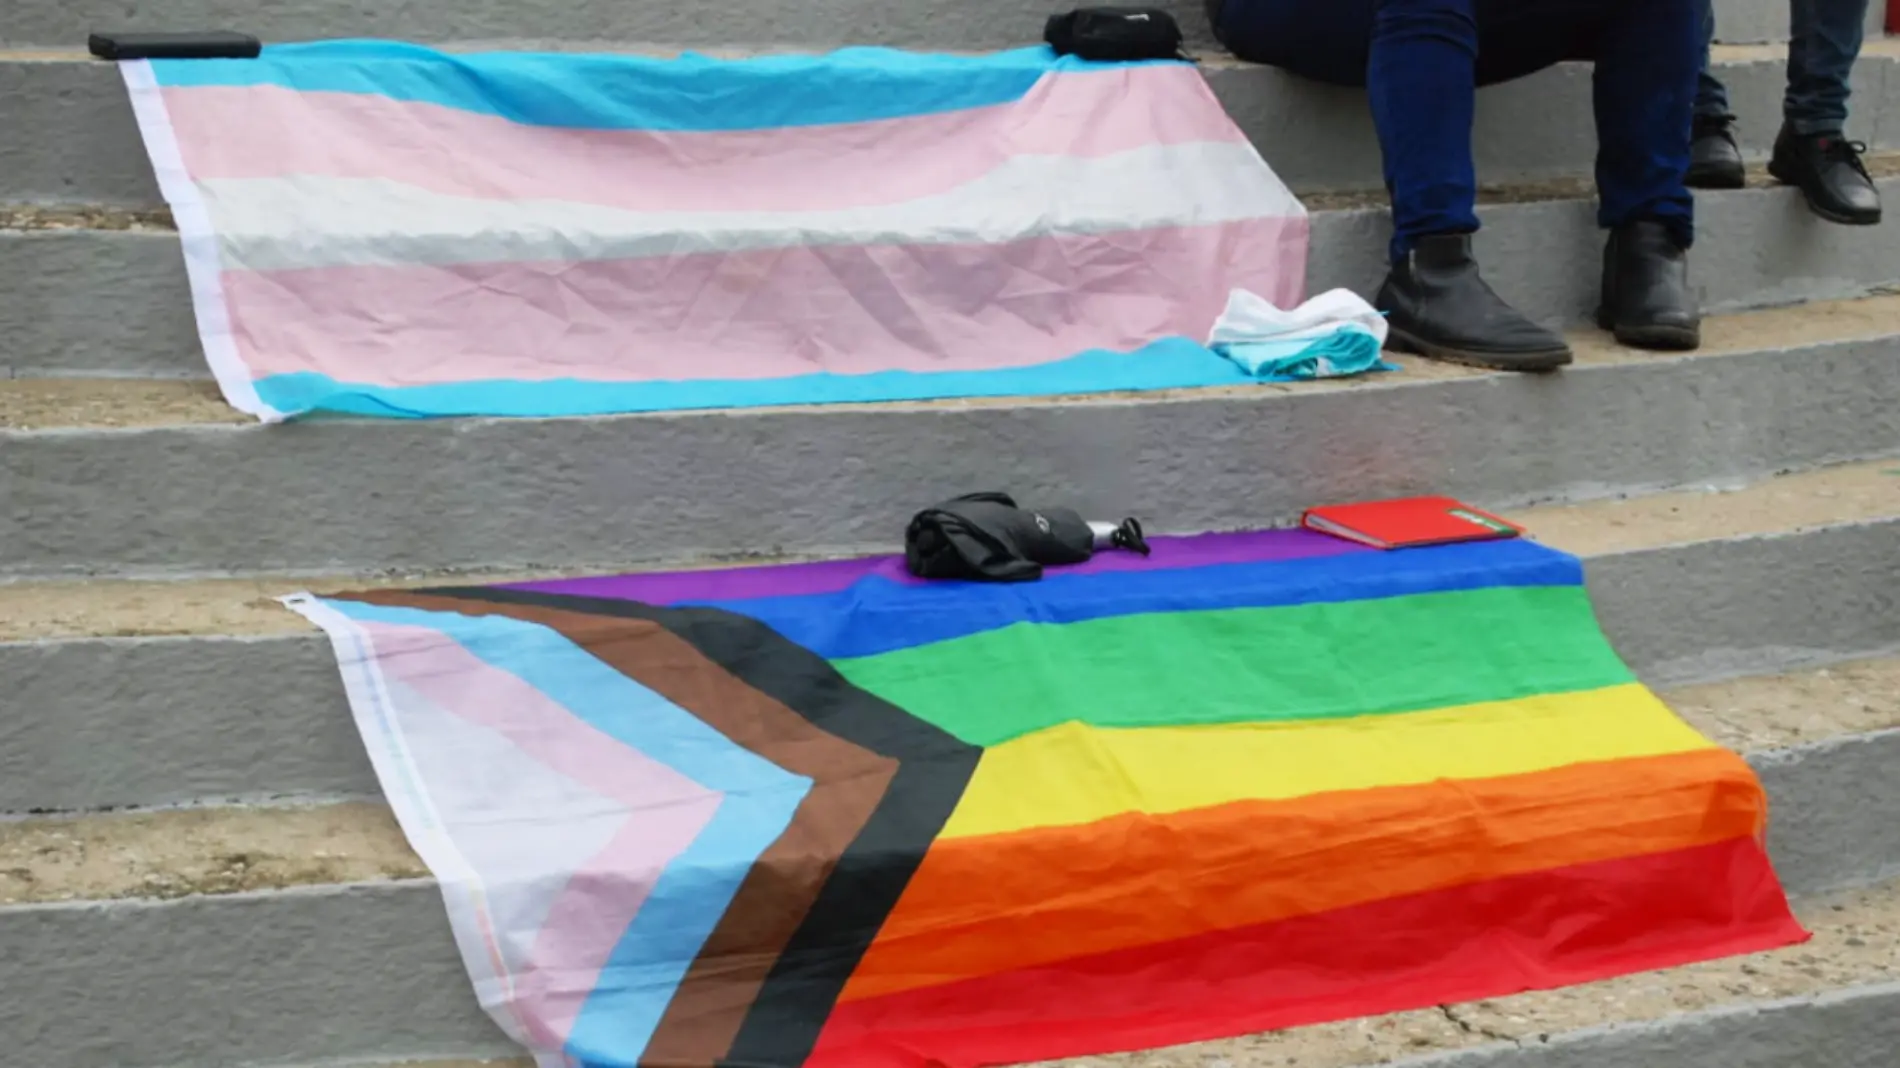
{"x": 934, "y": 768}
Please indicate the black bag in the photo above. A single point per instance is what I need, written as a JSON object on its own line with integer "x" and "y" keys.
{"x": 984, "y": 536}
{"x": 1115, "y": 33}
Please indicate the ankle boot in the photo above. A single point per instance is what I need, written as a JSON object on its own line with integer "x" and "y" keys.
{"x": 1715, "y": 161}
{"x": 1438, "y": 306}
{"x": 1827, "y": 168}
{"x": 1647, "y": 302}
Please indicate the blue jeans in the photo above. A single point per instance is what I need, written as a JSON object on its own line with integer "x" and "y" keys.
{"x": 1422, "y": 60}
{"x": 1824, "y": 40}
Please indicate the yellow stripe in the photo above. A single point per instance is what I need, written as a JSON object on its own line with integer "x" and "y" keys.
{"x": 1072, "y": 773}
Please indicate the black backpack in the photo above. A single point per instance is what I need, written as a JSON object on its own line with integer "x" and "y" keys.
{"x": 1115, "y": 33}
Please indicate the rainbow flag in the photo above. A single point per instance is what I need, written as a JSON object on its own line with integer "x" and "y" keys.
{"x": 381, "y": 229}
{"x": 828, "y": 815}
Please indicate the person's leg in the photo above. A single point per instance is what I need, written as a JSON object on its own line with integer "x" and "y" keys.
{"x": 1647, "y": 55}
{"x": 1644, "y": 92}
{"x": 1823, "y": 45}
{"x": 1715, "y": 160}
{"x": 1324, "y": 40}
{"x": 1421, "y": 83}
{"x": 1812, "y": 151}
{"x": 1417, "y": 59}
{"x": 1711, "y": 96}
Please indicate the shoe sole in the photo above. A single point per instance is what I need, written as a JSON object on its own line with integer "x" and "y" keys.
{"x": 1843, "y": 218}
{"x": 1716, "y": 178}
{"x": 1535, "y": 362}
{"x": 1656, "y": 336}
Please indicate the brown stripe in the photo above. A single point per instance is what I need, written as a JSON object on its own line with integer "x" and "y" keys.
{"x": 848, "y": 782}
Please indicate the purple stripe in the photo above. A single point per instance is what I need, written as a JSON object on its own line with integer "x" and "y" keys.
{"x": 786, "y": 580}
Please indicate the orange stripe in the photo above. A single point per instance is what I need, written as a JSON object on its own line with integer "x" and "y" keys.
{"x": 996, "y": 903}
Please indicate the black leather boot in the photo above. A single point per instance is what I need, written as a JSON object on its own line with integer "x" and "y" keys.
{"x": 1647, "y": 302}
{"x": 1438, "y": 306}
{"x": 1828, "y": 171}
{"x": 1715, "y": 161}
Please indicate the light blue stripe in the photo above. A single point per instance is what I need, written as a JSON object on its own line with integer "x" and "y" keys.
{"x": 652, "y": 956}
{"x": 1171, "y": 363}
{"x": 596, "y": 91}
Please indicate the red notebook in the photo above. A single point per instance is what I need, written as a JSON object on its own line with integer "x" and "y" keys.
{"x": 1408, "y": 521}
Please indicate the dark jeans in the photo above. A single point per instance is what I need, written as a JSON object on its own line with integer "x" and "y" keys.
{"x": 1824, "y": 40}
{"x": 1421, "y": 61}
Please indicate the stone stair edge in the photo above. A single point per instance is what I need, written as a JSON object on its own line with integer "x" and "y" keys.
{"x": 1875, "y": 47}
{"x": 363, "y": 971}
{"x": 1718, "y": 1037}
{"x": 1759, "y": 248}
{"x": 44, "y": 23}
{"x": 1777, "y": 504}
{"x": 1317, "y": 137}
{"x": 31, "y": 404}
{"x": 21, "y": 218}
{"x": 196, "y": 500}
{"x": 1775, "y": 718}
{"x": 161, "y": 720}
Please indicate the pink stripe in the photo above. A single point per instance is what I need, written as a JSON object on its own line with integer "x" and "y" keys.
{"x": 668, "y": 811}
{"x": 764, "y": 313}
{"x": 268, "y": 131}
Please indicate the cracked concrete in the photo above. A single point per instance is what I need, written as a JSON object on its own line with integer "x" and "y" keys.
{"x": 1453, "y": 1013}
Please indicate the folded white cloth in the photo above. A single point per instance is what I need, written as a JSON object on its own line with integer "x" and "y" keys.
{"x": 1335, "y": 333}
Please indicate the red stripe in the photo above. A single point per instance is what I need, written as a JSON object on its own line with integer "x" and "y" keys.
{"x": 1547, "y": 929}
{"x": 1893, "y": 16}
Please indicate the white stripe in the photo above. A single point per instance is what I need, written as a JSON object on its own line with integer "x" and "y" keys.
{"x": 202, "y": 264}
{"x": 463, "y": 892}
{"x": 309, "y": 221}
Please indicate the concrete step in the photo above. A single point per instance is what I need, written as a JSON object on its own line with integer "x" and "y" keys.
{"x": 970, "y": 24}
{"x": 157, "y": 478}
{"x": 294, "y": 936}
{"x": 1848, "y": 1027}
{"x": 104, "y": 292}
{"x": 130, "y": 693}
{"x": 79, "y": 144}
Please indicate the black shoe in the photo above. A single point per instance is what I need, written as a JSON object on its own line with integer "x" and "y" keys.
{"x": 1715, "y": 161}
{"x": 1438, "y": 306}
{"x": 1647, "y": 302}
{"x": 1828, "y": 171}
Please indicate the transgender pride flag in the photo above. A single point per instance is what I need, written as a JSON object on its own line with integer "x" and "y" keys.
{"x": 383, "y": 229}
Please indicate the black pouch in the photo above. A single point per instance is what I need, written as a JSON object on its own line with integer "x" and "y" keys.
{"x": 986, "y": 537}
{"x": 1115, "y": 33}
{"x": 215, "y": 44}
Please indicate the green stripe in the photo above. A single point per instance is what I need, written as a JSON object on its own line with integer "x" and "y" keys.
{"x": 1314, "y": 661}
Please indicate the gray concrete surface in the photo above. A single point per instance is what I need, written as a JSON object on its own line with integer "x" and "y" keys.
{"x": 986, "y": 24}
{"x": 615, "y": 492}
{"x": 1752, "y": 21}
{"x": 369, "y": 970}
{"x": 88, "y": 302}
{"x": 80, "y": 144}
{"x": 1858, "y": 1027}
{"x": 1834, "y": 805}
{"x": 111, "y": 722}
{"x": 285, "y": 977}
{"x": 968, "y": 24}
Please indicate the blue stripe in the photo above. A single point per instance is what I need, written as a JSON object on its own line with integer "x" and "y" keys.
{"x": 653, "y": 954}
{"x": 876, "y": 615}
{"x": 1170, "y": 363}
{"x": 617, "y": 92}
